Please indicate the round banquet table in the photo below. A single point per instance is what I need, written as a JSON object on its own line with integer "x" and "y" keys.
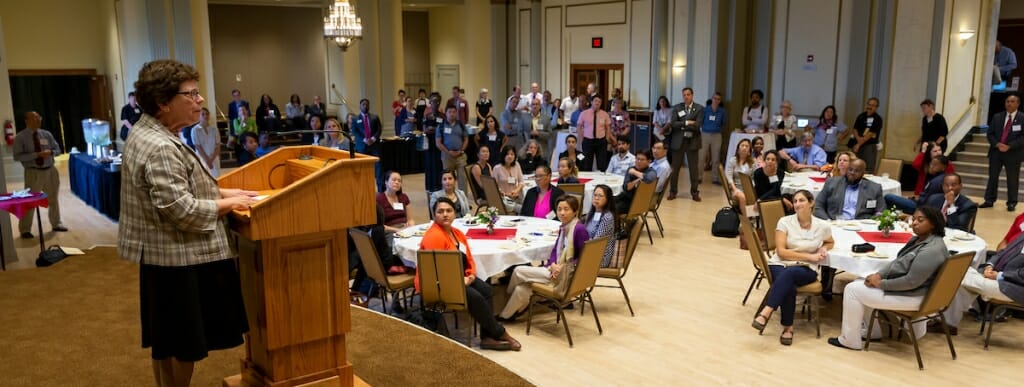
{"x": 848, "y": 233}
{"x": 517, "y": 240}
{"x": 590, "y": 180}
{"x": 814, "y": 181}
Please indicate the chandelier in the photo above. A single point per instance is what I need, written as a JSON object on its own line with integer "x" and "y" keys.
{"x": 341, "y": 24}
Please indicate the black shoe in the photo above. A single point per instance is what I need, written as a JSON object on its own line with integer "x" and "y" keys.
{"x": 60, "y": 229}
{"x": 834, "y": 341}
{"x": 1011, "y": 207}
{"x": 515, "y": 316}
{"x": 27, "y": 235}
{"x": 986, "y": 204}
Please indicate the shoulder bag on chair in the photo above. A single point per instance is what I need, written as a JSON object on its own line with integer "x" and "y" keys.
{"x": 727, "y": 223}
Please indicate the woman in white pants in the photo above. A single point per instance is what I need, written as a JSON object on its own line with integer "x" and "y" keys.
{"x": 571, "y": 237}
{"x": 900, "y": 285}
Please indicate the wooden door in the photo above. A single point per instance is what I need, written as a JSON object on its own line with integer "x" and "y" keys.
{"x": 604, "y": 76}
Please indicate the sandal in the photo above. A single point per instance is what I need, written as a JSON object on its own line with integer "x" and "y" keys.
{"x": 786, "y": 340}
{"x": 759, "y": 325}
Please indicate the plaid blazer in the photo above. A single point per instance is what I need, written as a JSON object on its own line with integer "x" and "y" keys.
{"x": 168, "y": 202}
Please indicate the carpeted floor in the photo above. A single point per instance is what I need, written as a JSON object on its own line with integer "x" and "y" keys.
{"x": 77, "y": 324}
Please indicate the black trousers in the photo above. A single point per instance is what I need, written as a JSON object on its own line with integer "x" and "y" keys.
{"x": 996, "y": 162}
{"x": 594, "y": 149}
{"x": 692, "y": 164}
{"x": 479, "y": 297}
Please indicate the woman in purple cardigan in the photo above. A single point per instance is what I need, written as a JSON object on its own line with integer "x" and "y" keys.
{"x": 571, "y": 237}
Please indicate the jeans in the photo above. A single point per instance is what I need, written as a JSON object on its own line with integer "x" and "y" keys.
{"x": 782, "y": 294}
{"x": 906, "y": 205}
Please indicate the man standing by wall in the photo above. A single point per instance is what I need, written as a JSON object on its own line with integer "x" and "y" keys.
{"x": 684, "y": 136}
{"x": 237, "y": 101}
{"x": 366, "y": 131}
{"x": 595, "y": 126}
{"x": 1006, "y": 140}
{"x": 452, "y": 141}
{"x": 35, "y": 148}
{"x": 711, "y": 134}
{"x": 130, "y": 114}
{"x": 459, "y": 103}
{"x": 1006, "y": 60}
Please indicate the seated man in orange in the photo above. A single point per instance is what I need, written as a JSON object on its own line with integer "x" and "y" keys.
{"x": 442, "y": 236}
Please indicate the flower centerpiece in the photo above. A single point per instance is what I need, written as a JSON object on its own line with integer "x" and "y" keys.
{"x": 825, "y": 169}
{"x": 887, "y": 220}
{"x": 488, "y": 215}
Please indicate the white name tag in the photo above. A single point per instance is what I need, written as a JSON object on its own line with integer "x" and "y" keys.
{"x": 712, "y": 118}
{"x": 492, "y": 137}
{"x": 137, "y": 111}
{"x": 682, "y": 113}
{"x": 871, "y": 204}
{"x": 773, "y": 179}
{"x": 619, "y": 118}
{"x": 778, "y": 119}
{"x": 511, "y": 180}
{"x": 398, "y": 206}
{"x": 951, "y": 210}
{"x": 830, "y": 130}
{"x": 448, "y": 130}
{"x": 1022, "y": 226}
{"x": 579, "y": 156}
{"x": 1016, "y": 128}
{"x": 440, "y": 120}
{"x": 462, "y": 104}
{"x": 870, "y": 120}
{"x": 359, "y": 122}
{"x": 687, "y": 134}
{"x": 43, "y": 142}
{"x": 271, "y": 112}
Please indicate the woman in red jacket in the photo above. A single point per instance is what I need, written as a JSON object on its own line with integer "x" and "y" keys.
{"x": 442, "y": 236}
{"x": 928, "y": 151}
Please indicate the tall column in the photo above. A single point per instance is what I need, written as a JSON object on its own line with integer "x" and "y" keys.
{"x": 203, "y": 52}
{"x": 477, "y": 58}
{"x": 392, "y": 57}
{"x": 370, "y": 62}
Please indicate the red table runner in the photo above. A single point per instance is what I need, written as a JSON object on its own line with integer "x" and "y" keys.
{"x": 499, "y": 233}
{"x": 894, "y": 237}
{"x": 818, "y": 179}
{"x": 19, "y": 206}
{"x": 583, "y": 180}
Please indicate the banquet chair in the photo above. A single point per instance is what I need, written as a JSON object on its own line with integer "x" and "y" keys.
{"x": 638, "y": 207}
{"x": 442, "y": 285}
{"x": 995, "y": 306}
{"x": 771, "y": 211}
{"x": 386, "y": 284}
{"x": 725, "y": 187}
{"x": 935, "y": 302}
{"x": 430, "y": 214}
{"x": 581, "y": 281}
{"x": 621, "y": 263}
{"x": 653, "y": 209}
{"x": 493, "y": 195}
{"x": 750, "y": 207}
{"x": 893, "y": 167}
{"x": 757, "y": 255}
{"x": 576, "y": 190}
{"x": 478, "y": 197}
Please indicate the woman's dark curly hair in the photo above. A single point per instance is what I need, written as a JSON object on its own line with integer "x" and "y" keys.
{"x": 159, "y": 81}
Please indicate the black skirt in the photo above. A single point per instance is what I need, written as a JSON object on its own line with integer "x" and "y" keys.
{"x": 190, "y": 310}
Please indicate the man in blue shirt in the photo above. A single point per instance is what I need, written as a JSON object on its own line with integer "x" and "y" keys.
{"x": 660, "y": 165}
{"x": 806, "y": 156}
{"x": 711, "y": 134}
{"x": 1005, "y": 59}
{"x": 514, "y": 123}
{"x": 452, "y": 140}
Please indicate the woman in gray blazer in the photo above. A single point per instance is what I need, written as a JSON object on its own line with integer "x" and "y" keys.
{"x": 900, "y": 285}
{"x": 450, "y": 190}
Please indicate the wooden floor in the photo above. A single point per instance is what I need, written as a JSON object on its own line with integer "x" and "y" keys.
{"x": 690, "y": 328}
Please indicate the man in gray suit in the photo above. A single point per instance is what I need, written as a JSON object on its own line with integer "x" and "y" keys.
{"x": 541, "y": 126}
{"x": 684, "y": 139}
{"x": 513, "y": 123}
{"x": 1001, "y": 278}
{"x": 848, "y": 197}
{"x": 851, "y": 197}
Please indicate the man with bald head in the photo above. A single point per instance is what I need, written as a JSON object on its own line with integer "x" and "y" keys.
{"x": 850, "y": 197}
{"x": 35, "y": 148}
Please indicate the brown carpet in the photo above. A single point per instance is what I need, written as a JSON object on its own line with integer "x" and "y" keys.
{"x": 77, "y": 324}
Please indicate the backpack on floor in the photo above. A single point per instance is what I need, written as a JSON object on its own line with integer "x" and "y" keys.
{"x": 727, "y": 223}
{"x": 50, "y": 256}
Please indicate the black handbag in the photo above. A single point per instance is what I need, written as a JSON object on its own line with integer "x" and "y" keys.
{"x": 727, "y": 223}
{"x": 50, "y": 256}
{"x": 863, "y": 248}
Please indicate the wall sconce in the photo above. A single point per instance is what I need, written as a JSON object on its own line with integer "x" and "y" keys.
{"x": 966, "y": 34}
{"x": 678, "y": 67}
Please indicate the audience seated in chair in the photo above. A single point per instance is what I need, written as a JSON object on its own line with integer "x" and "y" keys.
{"x": 958, "y": 209}
{"x": 602, "y": 220}
{"x": 250, "y": 143}
{"x": 541, "y": 201}
{"x": 622, "y": 160}
{"x": 450, "y": 190}
{"x": 742, "y": 162}
{"x": 832, "y": 202}
{"x": 510, "y": 178}
{"x": 641, "y": 173}
{"x": 899, "y": 285}
{"x": 397, "y": 214}
{"x": 808, "y": 156}
{"x": 1001, "y": 278}
{"x": 571, "y": 237}
{"x": 768, "y": 181}
{"x": 481, "y": 167}
{"x": 567, "y": 171}
{"x": 933, "y": 187}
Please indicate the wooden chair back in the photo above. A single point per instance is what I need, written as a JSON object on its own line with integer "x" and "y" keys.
{"x": 477, "y": 196}
{"x": 493, "y": 195}
{"x": 946, "y": 284}
{"x": 725, "y": 187}
{"x": 747, "y": 184}
{"x": 631, "y": 243}
{"x": 757, "y": 255}
{"x": 641, "y": 199}
{"x": 771, "y": 211}
{"x": 585, "y": 275}
{"x": 893, "y": 167}
{"x": 369, "y": 257}
{"x": 441, "y": 279}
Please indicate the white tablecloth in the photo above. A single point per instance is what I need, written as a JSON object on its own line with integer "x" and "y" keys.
{"x": 737, "y": 135}
{"x": 533, "y": 242}
{"x": 802, "y": 180}
{"x": 596, "y": 178}
{"x": 845, "y": 235}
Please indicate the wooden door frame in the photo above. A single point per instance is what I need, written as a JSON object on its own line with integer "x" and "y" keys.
{"x": 603, "y": 90}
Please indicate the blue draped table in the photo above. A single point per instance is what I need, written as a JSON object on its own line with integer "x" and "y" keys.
{"x": 95, "y": 184}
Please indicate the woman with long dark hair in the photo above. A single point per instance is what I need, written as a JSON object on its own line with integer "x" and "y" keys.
{"x": 601, "y": 220}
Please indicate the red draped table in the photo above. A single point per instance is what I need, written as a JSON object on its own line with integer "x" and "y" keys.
{"x": 18, "y": 207}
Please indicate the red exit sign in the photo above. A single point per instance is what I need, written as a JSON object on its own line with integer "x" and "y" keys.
{"x": 596, "y": 42}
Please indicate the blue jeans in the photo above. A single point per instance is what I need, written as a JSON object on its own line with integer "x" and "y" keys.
{"x": 782, "y": 294}
{"x": 904, "y": 204}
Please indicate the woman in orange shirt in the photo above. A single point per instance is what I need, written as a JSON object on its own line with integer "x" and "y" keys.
{"x": 442, "y": 236}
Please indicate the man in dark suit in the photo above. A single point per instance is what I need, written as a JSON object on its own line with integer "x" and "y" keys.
{"x": 959, "y": 210}
{"x": 832, "y": 202}
{"x": 317, "y": 108}
{"x": 1006, "y": 142}
{"x": 236, "y": 102}
{"x": 1001, "y": 278}
{"x": 366, "y": 129}
{"x": 684, "y": 139}
{"x": 936, "y": 174}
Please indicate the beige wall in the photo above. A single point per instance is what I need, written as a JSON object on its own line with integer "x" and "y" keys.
{"x": 275, "y": 50}
{"x": 55, "y": 34}
{"x": 416, "y": 44}
{"x": 910, "y": 78}
{"x": 447, "y": 42}
{"x": 1011, "y": 9}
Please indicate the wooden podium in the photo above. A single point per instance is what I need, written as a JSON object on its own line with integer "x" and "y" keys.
{"x": 293, "y": 262}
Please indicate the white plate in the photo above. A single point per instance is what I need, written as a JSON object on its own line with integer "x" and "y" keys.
{"x": 869, "y": 221}
{"x": 876, "y": 254}
{"x": 965, "y": 237}
{"x": 851, "y": 227}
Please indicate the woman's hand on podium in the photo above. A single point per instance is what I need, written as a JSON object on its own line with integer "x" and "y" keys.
{"x": 233, "y": 192}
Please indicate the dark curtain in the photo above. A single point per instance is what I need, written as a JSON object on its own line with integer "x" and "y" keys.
{"x": 55, "y": 98}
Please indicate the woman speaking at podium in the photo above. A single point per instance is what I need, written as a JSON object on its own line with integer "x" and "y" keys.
{"x": 171, "y": 223}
